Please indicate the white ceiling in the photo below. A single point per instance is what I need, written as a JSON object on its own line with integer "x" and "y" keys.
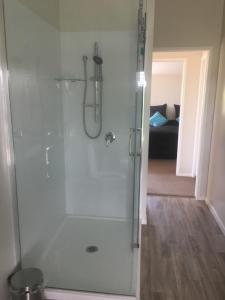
{"x": 167, "y": 67}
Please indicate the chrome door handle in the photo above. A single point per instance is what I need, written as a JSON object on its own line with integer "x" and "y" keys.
{"x": 131, "y": 132}
{"x": 139, "y": 152}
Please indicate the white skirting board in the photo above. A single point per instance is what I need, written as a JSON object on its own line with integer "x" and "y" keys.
{"x": 216, "y": 216}
{"x": 54, "y": 294}
{"x": 184, "y": 174}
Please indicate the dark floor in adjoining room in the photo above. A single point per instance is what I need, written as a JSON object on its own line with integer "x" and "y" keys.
{"x": 183, "y": 251}
{"x": 162, "y": 179}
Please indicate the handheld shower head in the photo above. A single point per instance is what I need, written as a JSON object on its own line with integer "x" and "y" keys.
{"x": 98, "y": 60}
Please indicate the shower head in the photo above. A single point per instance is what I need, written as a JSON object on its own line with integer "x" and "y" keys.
{"x": 98, "y": 60}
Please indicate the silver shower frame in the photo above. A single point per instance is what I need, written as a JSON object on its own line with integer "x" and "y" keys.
{"x": 8, "y": 185}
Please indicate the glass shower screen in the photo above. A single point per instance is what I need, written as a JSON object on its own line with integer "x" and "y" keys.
{"x": 78, "y": 216}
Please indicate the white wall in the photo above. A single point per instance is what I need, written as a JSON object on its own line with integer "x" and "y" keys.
{"x": 181, "y": 23}
{"x": 34, "y": 63}
{"x": 166, "y": 88}
{"x": 48, "y": 10}
{"x": 99, "y": 178}
{"x": 98, "y": 15}
{"x": 184, "y": 24}
{"x": 216, "y": 187}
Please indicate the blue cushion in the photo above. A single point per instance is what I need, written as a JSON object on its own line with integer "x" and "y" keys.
{"x": 157, "y": 120}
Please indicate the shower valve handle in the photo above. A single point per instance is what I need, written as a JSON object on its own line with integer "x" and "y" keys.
{"x": 110, "y": 138}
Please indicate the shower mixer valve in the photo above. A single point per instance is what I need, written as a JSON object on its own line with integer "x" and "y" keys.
{"x": 110, "y": 138}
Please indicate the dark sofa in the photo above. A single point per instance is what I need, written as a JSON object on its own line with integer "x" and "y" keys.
{"x": 163, "y": 141}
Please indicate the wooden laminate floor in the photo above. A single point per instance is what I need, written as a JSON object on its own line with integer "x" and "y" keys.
{"x": 183, "y": 252}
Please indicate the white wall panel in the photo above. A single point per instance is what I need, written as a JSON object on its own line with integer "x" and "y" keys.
{"x": 99, "y": 178}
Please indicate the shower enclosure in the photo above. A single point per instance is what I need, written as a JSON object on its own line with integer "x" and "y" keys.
{"x": 76, "y": 91}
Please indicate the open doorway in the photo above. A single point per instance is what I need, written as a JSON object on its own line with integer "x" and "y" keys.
{"x": 175, "y": 121}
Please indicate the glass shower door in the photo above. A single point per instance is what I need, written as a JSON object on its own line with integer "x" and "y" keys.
{"x": 137, "y": 130}
{"x": 72, "y": 67}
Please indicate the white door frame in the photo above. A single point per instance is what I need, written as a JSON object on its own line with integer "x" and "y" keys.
{"x": 206, "y": 133}
{"x": 181, "y": 125}
{"x": 145, "y": 116}
{"x": 182, "y": 98}
{"x": 197, "y": 170}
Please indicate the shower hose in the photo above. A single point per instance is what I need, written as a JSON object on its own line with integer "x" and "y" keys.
{"x": 85, "y": 59}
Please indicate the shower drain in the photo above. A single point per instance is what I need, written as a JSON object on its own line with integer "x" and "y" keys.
{"x": 92, "y": 249}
